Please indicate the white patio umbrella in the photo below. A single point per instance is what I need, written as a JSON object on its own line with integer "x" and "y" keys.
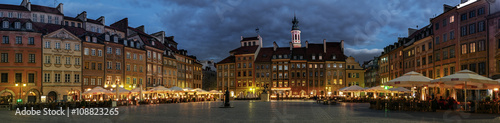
{"x": 376, "y": 89}
{"x": 188, "y": 89}
{"x": 97, "y": 91}
{"x": 159, "y": 89}
{"x": 215, "y": 92}
{"x": 200, "y": 91}
{"x": 353, "y": 88}
{"x": 410, "y": 79}
{"x": 121, "y": 90}
{"x": 176, "y": 89}
{"x": 400, "y": 89}
{"x": 466, "y": 79}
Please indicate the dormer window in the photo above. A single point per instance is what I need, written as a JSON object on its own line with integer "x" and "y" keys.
{"x": 285, "y": 56}
{"x": 274, "y": 56}
{"x": 301, "y": 57}
{"x": 320, "y": 57}
{"x": 106, "y": 37}
{"x": 279, "y": 56}
{"x": 131, "y": 44}
{"x": 94, "y": 39}
{"x": 17, "y": 25}
{"x": 5, "y": 24}
{"x": 125, "y": 42}
{"x": 115, "y": 38}
{"x": 313, "y": 57}
{"x": 152, "y": 43}
{"x": 28, "y": 26}
{"x": 87, "y": 38}
{"x": 334, "y": 57}
{"x": 98, "y": 30}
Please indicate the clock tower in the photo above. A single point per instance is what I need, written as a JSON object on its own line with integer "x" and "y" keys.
{"x": 295, "y": 33}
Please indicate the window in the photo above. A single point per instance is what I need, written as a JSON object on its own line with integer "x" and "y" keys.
{"x": 99, "y": 52}
{"x": 28, "y": 26}
{"x": 68, "y": 60}
{"x": 437, "y": 40}
{"x": 67, "y": 47}
{"x": 31, "y": 40}
{"x": 67, "y": 77}
{"x": 19, "y": 77}
{"x": 480, "y": 11}
{"x": 19, "y": 58}
{"x": 5, "y": 58}
{"x": 17, "y": 25}
{"x": 452, "y": 53}
{"x": 77, "y": 61}
{"x": 31, "y": 78}
{"x": 31, "y": 58}
{"x": 464, "y": 48}
{"x": 437, "y": 26}
{"x": 5, "y": 24}
{"x": 46, "y": 77}
{"x": 93, "y": 52}
{"x": 10, "y": 15}
{"x": 445, "y": 55}
{"x": 480, "y": 26}
{"x": 118, "y": 65}
{"x": 472, "y": 47}
{"x": 57, "y": 77}
{"x": 472, "y": 14}
{"x": 49, "y": 19}
{"x": 463, "y": 31}
{"x": 58, "y": 59}
{"x": 42, "y": 18}
{"x": 4, "y": 77}
{"x": 452, "y": 35}
{"x": 472, "y": 28}
{"x": 86, "y": 51}
{"x": 58, "y": 45}
{"x": 481, "y": 46}
{"x": 463, "y": 17}
{"x": 472, "y": 67}
{"x": 445, "y": 22}
{"x": 118, "y": 51}
{"x": 452, "y": 19}
{"x": 438, "y": 57}
{"x": 34, "y": 19}
{"x": 77, "y": 47}
{"x": 444, "y": 37}
{"x": 5, "y": 39}
{"x": 482, "y": 68}
{"x": 47, "y": 59}
{"x": 430, "y": 45}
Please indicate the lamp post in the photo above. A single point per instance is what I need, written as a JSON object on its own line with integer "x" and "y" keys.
{"x": 20, "y": 99}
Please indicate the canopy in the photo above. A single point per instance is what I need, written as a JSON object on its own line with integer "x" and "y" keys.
{"x": 410, "y": 79}
{"x": 136, "y": 90}
{"x": 215, "y": 92}
{"x": 353, "y": 88}
{"x": 98, "y": 91}
{"x": 200, "y": 91}
{"x": 466, "y": 79}
{"x": 176, "y": 89}
{"x": 376, "y": 89}
{"x": 159, "y": 89}
{"x": 121, "y": 90}
{"x": 188, "y": 89}
{"x": 399, "y": 89}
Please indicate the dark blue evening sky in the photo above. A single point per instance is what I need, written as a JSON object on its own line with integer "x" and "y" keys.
{"x": 209, "y": 29}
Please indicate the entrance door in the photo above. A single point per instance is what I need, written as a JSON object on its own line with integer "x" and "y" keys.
{"x": 52, "y": 96}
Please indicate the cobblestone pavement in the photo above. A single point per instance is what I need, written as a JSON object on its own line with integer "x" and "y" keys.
{"x": 256, "y": 111}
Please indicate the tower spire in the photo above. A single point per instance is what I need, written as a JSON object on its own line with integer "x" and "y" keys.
{"x": 295, "y": 32}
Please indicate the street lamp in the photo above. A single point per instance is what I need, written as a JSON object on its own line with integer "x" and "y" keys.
{"x": 20, "y": 92}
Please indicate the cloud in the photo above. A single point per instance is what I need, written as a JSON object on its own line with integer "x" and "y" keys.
{"x": 362, "y": 54}
{"x": 209, "y": 29}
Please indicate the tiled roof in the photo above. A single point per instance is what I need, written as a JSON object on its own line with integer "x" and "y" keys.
{"x": 93, "y": 21}
{"x": 45, "y": 9}
{"x": 71, "y": 19}
{"x": 245, "y": 50}
{"x": 229, "y": 59}
{"x": 265, "y": 55}
{"x": 13, "y": 7}
{"x": 122, "y": 25}
{"x": 334, "y": 48}
{"x": 148, "y": 39}
{"x": 314, "y": 49}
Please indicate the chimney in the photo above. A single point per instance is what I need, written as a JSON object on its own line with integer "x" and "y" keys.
{"x": 101, "y": 20}
{"x": 241, "y": 38}
{"x": 28, "y": 6}
{"x": 82, "y": 16}
{"x": 291, "y": 46}
{"x": 324, "y": 45}
{"x": 60, "y": 8}
{"x": 141, "y": 28}
{"x": 342, "y": 45}
{"x": 307, "y": 44}
{"x": 275, "y": 46}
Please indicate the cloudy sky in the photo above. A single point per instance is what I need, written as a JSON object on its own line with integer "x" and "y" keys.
{"x": 209, "y": 29}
